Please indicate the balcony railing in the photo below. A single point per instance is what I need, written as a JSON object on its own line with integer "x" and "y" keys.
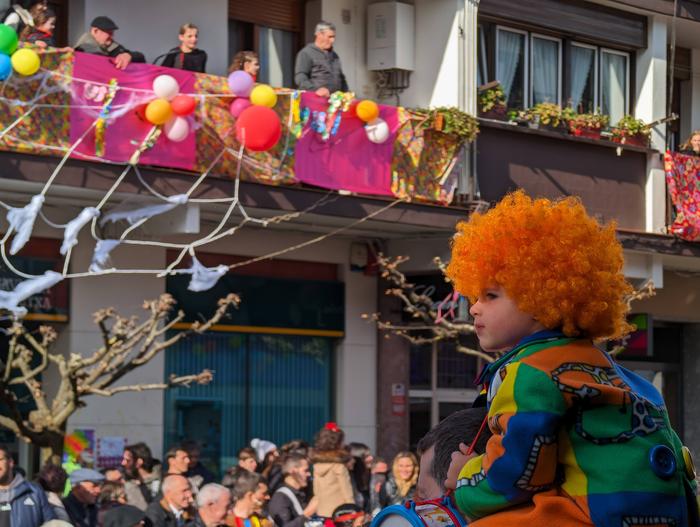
{"x": 80, "y": 106}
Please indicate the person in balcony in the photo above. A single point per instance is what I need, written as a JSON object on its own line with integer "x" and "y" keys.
{"x": 23, "y": 14}
{"x": 247, "y": 61}
{"x": 41, "y": 35}
{"x": 99, "y": 40}
{"x": 318, "y": 66}
{"x": 187, "y": 56}
{"x": 691, "y": 147}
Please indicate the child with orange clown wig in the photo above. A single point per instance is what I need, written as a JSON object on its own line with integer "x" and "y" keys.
{"x": 577, "y": 439}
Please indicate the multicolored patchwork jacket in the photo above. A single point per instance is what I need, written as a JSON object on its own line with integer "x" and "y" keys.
{"x": 577, "y": 440}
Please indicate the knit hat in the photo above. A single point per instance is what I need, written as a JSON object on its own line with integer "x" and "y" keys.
{"x": 262, "y": 448}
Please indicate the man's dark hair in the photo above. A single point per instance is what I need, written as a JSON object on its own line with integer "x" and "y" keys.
{"x": 191, "y": 446}
{"x": 6, "y": 451}
{"x": 459, "y": 427}
{"x": 173, "y": 450}
{"x": 291, "y": 461}
{"x": 247, "y": 453}
{"x": 246, "y": 482}
{"x": 142, "y": 452}
{"x": 52, "y": 478}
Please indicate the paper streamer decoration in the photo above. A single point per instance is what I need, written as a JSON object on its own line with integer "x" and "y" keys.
{"x": 204, "y": 278}
{"x": 70, "y": 235}
{"x": 10, "y": 300}
{"x": 100, "y": 257}
{"x": 22, "y": 222}
{"x": 132, "y": 215}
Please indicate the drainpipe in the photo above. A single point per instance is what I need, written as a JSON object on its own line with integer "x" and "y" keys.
{"x": 467, "y": 26}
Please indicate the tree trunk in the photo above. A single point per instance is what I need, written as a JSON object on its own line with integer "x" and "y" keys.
{"x": 51, "y": 444}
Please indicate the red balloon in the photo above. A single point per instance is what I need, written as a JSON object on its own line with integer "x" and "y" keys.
{"x": 183, "y": 104}
{"x": 258, "y": 128}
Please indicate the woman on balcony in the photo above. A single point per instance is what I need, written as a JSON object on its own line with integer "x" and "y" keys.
{"x": 691, "y": 147}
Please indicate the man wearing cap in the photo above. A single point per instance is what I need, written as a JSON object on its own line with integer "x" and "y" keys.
{"x": 81, "y": 502}
{"x": 100, "y": 41}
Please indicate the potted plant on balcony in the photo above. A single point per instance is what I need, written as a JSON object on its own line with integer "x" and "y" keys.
{"x": 544, "y": 114}
{"x": 631, "y": 131}
{"x": 588, "y": 124}
{"x": 492, "y": 101}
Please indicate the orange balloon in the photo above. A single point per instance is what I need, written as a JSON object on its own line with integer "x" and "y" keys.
{"x": 367, "y": 111}
{"x": 159, "y": 111}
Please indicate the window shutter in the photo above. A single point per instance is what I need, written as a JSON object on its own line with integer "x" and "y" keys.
{"x": 278, "y": 14}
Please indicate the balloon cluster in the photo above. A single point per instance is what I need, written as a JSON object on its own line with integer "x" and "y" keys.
{"x": 25, "y": 61}
{"x": 377, "y": 129}
{"x": 258, "y": 127}
{"x": 170, "y": 108}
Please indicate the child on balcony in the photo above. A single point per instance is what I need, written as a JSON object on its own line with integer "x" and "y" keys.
{"x": 577, "y": 439}
{"x": 41, "y": 34}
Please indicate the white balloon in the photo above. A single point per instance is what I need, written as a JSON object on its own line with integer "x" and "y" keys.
{"x": 165, "y": 87}
{"x": 177, "y": 129}
{"x": 377, "y": 130}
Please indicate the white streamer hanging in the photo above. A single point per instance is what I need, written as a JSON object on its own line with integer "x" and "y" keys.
{"x": 203, "y": 278}
{"x": 100, "y": 258}
{"x": 22, "y": 222}
{"x": 70, "y": 235}
{"x": 133, "y": 215}
{"x": 10, "y": 300}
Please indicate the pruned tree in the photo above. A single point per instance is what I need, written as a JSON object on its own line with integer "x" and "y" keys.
{"x": 127, "y": 344}
{"x": 430, "y": 325}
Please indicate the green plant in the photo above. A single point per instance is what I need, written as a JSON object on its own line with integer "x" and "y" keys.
{"x": 593, "y": 121}
{"x": 545, "y": 113}
{"x": 492, "y": 98}
{"x": 449, "y": 120}
{"x": 628, "y": 126}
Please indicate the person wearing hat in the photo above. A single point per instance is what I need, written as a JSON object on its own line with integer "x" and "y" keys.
{"x": 81, "y": 503}
{"x": 125, "y": 516}
{"x": 348, "y": 515}
{"x": 99, "y": 40}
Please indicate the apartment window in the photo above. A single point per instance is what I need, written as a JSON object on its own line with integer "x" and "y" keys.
{"x": 545, "y": 70}
{"x": 614, "y": 83}
{"x": 511, "y": 65}
{"x": 533, "y": 68}
{"x": 583, "y": 75}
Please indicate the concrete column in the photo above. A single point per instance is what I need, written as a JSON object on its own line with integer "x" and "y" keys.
{"x": 393, "y": 367}
{"x": 691, "y": 373}
{"x": 651, "y": 105}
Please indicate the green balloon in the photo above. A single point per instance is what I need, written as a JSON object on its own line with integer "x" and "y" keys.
{"x": 8, "y": 39}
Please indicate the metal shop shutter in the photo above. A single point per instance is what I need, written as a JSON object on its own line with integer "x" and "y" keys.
{"x": 278, "y": 14}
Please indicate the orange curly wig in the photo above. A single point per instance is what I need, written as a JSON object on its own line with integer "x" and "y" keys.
{"x": 556, "y": 262}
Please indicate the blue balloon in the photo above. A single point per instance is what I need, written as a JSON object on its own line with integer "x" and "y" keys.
{"x": 5, "y": 66}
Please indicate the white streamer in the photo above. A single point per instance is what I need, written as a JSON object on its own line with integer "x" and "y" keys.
{"x": 100, "y": 258}
{"x": 203, "y": 278}
{"x": 22, "y": 222}
{"x": 10, "y": 300}
{"x": 70, "y": 235}
{"x": 133, "y": 215}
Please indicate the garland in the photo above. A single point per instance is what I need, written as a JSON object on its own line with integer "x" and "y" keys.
{"x": 101, "y": 124}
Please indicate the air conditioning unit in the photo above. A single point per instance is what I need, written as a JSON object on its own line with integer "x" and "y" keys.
{"x": 390, "y": 36}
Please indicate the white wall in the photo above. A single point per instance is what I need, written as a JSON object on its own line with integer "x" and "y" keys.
{"x": 152, "y": 26}
{"x": 435, "y": 82}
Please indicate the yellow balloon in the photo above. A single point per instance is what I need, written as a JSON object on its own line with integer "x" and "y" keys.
{"x": 263, "y": 95}
{"x": 158, "y": 111}
{"x": 26, "y": 61}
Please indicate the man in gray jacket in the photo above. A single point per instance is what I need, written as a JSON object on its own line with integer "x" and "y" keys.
{"x": 318, "y": 66}
{"x": 22, "y": 504}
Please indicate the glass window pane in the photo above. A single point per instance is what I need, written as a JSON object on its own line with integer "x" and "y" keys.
{"x": 545, "y": 70}
{"x": 276, "y": 57}
{"x": 419, "y": 420}
{"x": 482, "y": 70}
{"x": 455, "y": 369}
{"x": 421, "y": 366}
{"x": 581, "y": 96}
{"x": 447, "y": 409}
{"x": 510, "y": 66}
{"x": 613, "y": 85}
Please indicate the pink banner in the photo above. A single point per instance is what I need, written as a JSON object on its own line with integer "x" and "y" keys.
{"x": 124, "y": 130}
{"x": 348, "y": 160}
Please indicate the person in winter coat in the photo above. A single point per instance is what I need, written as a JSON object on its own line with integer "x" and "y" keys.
{"x": 213, "y": 504}
{"x": 174, "y": 509}
{"x": 401, "y": 485}
{"x": 187, "y": 56}
{"x": 22, "y": 504}
{"x": 99, "y": 40}
{"x": 81, "y": 503}
{"x": 288, "y": 505}
{"x": 332, "y": 484}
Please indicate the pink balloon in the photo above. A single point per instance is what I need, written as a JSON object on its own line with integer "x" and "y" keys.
{"x": 240, "y": 83}
{"x": 238, "y": 105}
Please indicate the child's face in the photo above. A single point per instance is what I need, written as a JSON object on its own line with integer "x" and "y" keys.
{"x": 498, "y": 322}
{"x": 48, "y": 26}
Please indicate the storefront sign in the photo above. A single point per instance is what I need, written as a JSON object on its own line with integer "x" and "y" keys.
{"x": 398, "y": 399}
